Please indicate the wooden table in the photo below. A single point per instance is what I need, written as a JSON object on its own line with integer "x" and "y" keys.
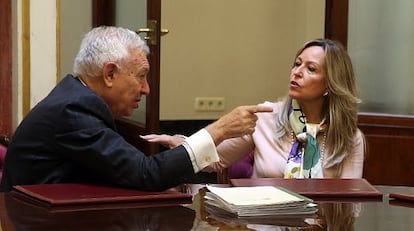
{"x": 346, "y": 215}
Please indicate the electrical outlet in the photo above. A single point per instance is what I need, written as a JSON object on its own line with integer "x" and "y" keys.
{"x": 209, "y": 104}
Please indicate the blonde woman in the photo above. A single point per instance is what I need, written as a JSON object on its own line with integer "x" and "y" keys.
{"x": 313, "y": 132}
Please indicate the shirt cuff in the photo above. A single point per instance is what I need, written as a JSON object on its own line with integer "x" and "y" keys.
{"x": 201, "y": 149}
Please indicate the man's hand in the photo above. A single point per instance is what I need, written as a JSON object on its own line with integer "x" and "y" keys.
{"x": 241, "y": 121}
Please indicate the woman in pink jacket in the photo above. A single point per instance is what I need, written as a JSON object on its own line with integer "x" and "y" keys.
{"x": 312, "y": 132}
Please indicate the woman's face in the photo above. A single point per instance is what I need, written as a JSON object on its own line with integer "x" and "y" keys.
{"x": 308, "y": 78}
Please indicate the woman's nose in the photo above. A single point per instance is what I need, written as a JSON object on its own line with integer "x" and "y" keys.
{"x": 297, "y": 71}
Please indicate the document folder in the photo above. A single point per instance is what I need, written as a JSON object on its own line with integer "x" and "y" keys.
{"x": 407, "y": 196}
{"x": 405, "y": 199}
{"x": 318, "y": 188}
{"x": 54, "y": 195}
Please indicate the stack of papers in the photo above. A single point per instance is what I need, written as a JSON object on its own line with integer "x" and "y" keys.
{"x": 259, "y": 201}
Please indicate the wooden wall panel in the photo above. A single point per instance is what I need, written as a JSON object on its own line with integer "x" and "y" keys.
{"x": 6, "y": 67}
{"x": 390, "y": 149}
{"x": 336, "y": 20}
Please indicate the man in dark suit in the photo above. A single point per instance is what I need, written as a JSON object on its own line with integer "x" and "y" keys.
{"x": 70, "y": 136}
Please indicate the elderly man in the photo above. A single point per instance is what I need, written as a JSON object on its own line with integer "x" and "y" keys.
{"x": 70, "y": 136}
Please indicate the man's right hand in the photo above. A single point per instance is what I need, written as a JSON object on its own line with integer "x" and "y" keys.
{"x": 239, "y": 122}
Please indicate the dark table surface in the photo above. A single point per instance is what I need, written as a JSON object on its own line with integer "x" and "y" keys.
{"x": 337, "y": 214}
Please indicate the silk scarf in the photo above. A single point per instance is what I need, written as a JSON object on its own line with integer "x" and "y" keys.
{"x": 304, "y": 159}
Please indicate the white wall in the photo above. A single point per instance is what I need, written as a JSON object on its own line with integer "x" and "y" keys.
{"x": 237, "y": 49}
{"x": 42, "y": 64}
{"x": 43, "y": 47}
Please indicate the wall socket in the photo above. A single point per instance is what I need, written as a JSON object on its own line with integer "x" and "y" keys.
{"x": 209, "y": 104}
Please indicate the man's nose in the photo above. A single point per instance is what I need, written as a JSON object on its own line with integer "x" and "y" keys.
{"x": 145, "y": 88}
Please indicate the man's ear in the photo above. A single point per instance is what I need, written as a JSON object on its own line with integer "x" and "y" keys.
{"x": 108, "y": 73}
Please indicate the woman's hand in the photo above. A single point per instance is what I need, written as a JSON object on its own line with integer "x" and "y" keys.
{"x": 166, "y": 140}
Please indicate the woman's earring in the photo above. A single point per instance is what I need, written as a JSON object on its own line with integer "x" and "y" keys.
{"x": 326, "y": 93}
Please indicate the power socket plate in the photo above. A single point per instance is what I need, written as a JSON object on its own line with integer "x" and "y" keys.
{"x": 209, "y": 104}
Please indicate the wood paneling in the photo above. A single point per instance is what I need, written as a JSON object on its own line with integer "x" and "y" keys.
{"x": 336, "y": 20}
{"x": 103, "y": 13}
{"x": 390, "y": 155}
{"x": 152, "y": 123}
{"x": 6, "y": 67}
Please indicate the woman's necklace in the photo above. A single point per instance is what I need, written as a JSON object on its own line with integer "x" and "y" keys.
{"x": 322, "y": 147}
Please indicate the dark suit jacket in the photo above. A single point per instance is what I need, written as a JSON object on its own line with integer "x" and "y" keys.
{"x": 70, "y": 136}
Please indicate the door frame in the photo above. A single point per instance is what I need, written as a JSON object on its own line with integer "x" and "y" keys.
{"x": 103, "y": 13}
{"x": 336, "y": 20}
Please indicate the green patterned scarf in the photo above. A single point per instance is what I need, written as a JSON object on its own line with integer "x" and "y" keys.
{"x": 304, "y": 159}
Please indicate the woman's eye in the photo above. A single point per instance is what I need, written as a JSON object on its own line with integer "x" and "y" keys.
{"x": 311, "y": 69}
{"x": 297, "y": 64}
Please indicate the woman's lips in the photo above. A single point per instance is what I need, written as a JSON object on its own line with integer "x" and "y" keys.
{"x": 294, "y": 84}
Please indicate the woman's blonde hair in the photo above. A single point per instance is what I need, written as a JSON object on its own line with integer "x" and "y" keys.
{"x": 341, "y": 104}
